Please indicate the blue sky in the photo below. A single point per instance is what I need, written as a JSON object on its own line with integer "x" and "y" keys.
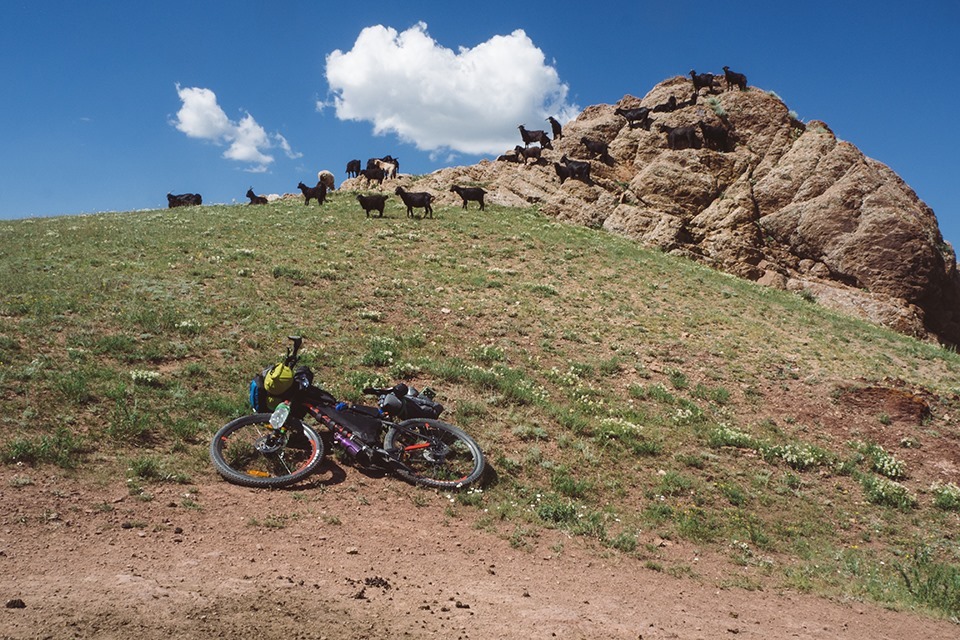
{"x": 109, "y": 105}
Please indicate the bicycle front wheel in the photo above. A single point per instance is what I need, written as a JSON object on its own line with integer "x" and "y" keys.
{"x": 249, "y": 452}
{"x": 435, "y": 454}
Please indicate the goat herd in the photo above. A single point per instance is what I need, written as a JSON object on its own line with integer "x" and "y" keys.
{"x": 377, "y": 170}
{"x": 718, "y": 138}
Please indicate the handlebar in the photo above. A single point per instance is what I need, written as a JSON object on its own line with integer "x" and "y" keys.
{"x": 292, "y": 356}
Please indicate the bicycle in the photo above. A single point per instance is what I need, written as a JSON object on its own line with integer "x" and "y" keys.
{"x": 402, "y": 434}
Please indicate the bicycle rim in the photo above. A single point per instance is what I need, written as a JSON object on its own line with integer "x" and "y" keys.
{"x": 435, "y": 454}
{"x": 248, "y": 452}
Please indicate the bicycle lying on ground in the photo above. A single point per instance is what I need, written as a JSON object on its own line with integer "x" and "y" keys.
{"x": 401, "y": 435}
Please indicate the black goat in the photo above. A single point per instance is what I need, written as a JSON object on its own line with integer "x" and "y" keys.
{"x": 734, "y": 78}
{"x": 639, "y": 115}
{"x": 469, "y": 193}
{"x": 598, "y": 148}
{"x": 525, "y": 153}
{"x": 373, "y": 202}
{"x": 318, "y": 193}
{"x": 511, "y": 156}
{"x": 716, "y": 138}
{"x": 183, "y": 200}
{"x": 374, "y": 174}
{"x": 417, "y": 199}
{"x": 254, "y": 198}
{"x": 557, "y": 129}
{"x": 702, "y": 80}
{"x": 563, "y": 171}
{"x": 535, "y": 136}
{"x": 669, "y": 105}
{"x": 681, "y": 137}
{"x": 579, "y": 170}
{"x": 353, "y": 168}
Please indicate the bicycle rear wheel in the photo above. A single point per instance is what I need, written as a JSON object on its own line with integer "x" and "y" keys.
{"x": 436, "y": 454}
{"x": 248, "y": 452}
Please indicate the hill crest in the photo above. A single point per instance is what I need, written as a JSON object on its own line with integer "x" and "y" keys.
{"x": 786, "y": 204}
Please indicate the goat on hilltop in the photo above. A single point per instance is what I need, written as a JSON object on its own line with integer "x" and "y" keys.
{"x": 416, "y": 199}
{"x": 526, "y": 153}
{"x": 318, "y": 193}
{"x": 372, "y": 202}
{"x": 734, "y": 78}
{"x": 637, "y": 116}
{"x": 183, "y": 200}
{"x": 557, "y": 129}
{"x": 254, "y": 198}
{"x": 702, "y": 80}
{"x": 535, "y": 136}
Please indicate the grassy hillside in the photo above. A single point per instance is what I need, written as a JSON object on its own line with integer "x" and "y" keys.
{"x": 626, "y": 396}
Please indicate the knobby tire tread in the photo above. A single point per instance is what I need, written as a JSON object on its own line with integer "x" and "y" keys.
{"x": 236, "y": 477}
{"x": 390, "y": 441}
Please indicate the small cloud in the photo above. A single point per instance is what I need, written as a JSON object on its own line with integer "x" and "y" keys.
{"x": 283, "y": 144}
{"x": 201, "y": 117}
{"x": 466, "y": 101}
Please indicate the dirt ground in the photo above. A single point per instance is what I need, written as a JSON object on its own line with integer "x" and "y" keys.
{"x": 351, "y": 556}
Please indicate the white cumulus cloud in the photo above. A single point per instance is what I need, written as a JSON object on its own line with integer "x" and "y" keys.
{"x": 201, "y": 117}
{"x": 468, "y": 101}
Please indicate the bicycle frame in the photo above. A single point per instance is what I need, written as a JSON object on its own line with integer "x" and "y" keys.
{"x": 360, "y": 450}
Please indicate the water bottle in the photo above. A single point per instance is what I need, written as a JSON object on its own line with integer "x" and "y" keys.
{"x": 279, "y": 416}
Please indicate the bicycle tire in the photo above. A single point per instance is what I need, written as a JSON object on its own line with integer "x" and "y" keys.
{"x": 242, "y": 453}
{"x": 435, "y": 453}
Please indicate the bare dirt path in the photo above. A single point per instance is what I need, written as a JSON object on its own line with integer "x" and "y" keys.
{"x": 357, "y": 557}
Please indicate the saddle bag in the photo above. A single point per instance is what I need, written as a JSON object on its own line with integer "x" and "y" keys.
{"x": 362, "y": 421}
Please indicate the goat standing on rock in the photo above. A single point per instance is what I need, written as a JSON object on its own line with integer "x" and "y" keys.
{"x": 557, "y": 129}
{"x": 535, "y": 136}
{"x": 416, "y": 199}
{"x": 598, "y": 148}
{"x": 525, "y": 153}
{"x": 639, "y": 115}
{"x": 576, "y": 169}
{"x": 701, "y": 80}
{"x": 716, "y": 138}
{"x": 681, "y": 137}
{"x": 734, "y": 78}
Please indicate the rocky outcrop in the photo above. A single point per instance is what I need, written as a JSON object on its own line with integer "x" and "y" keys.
{"x": 787, "y": 205}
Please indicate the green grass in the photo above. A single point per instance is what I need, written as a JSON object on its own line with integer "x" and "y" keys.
{"x": 616, "y": 390}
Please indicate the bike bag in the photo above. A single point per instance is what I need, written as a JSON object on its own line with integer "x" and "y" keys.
{"x": 260, "y": 400}
{"x": 420, "y": 407}
{"x": 360, "y": 420}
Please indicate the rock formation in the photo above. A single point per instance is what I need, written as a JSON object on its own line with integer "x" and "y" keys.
{"x": 781, "y": 202}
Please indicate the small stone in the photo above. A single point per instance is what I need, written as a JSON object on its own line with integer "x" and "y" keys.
{"x": 16, "y": 603}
